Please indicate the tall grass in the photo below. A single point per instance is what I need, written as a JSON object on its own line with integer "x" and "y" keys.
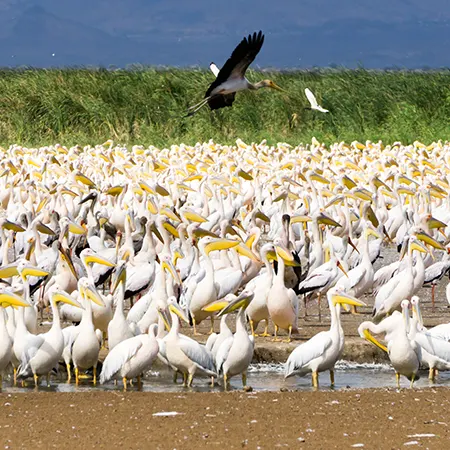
{"x": 145, "y": 105}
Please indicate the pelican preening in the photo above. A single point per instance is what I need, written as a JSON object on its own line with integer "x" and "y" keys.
{"x": 109, "y": 248}
{"x": 231, "y": 78}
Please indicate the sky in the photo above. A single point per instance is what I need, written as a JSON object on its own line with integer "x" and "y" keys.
{"x": 299, "y": 33}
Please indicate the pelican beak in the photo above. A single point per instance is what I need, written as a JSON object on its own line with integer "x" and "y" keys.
{"x": 194, "y": 217}
{"x": 120, "y": 276}
{"x": 171, "y": 229}
{"x": 243, "y": 250}
{"x": 7, "y": 225}
{"x": 374, "y": 341}
{"x": 242, "y": 301}
{"x": 261, "y": 216}
{"x": 220, "y": 244}
{"x": 201, "y": 232}
{"x": 10, "y": 299}
{"x": 92, "y": 294}
{"x": 353, "y": 245}
{"x": 250, "y": 240}
{"x": 424, "y": 237}
{"x": 284, "y": 253}
{"x": 218, "y": 305}
{"x": 31, "y": 271}
{"x": 170, "y": 214}
{"x": 435, "y": 223}
{"x": 176, "y": 309}
{"x": 178, "y": 254}
{"x": 168, "y": 265}
{"x": 91, "y": 196}
{"x": 64, "y": 297}
{"x": 114, "y": 191}
{"x": 345, "y": 299}
{"x": 371, "y": 232}
{"x": 300, "y": 219}
{"x": 156, "y": 232}
{"x": 416, "y": 245}
{"x": 416, "y": 310}
{"x": 44, "y": 229}
{"x": 90, "y": 259}
{"x": 74, "y": 228}
{"x": 8, "y": 271}
{"x": 66, "y": 257}
{"x": 339, "y": 264}
{"x": 327, "y": 220}
{"x": 164, "y": 319}
{"x": 83, "y": 179}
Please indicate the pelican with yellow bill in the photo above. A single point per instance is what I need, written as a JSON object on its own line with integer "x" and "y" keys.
{"x": 323, "y": 350}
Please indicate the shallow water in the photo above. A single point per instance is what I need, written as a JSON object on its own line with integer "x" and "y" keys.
{"x": 261, "y": 377}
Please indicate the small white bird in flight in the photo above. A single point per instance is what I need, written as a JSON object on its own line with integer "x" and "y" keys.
{"x": 312, "y": 100}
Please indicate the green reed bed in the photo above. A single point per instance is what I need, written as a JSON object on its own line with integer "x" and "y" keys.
{"x": 148, "y": 106}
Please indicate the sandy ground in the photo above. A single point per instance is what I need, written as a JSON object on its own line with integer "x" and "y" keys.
{"x": 374, "y": 419}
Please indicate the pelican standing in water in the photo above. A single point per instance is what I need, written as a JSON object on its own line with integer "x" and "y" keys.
{"x": 231, "y": 78}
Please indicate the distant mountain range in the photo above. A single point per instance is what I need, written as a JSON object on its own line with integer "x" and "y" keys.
{"x": 299, "y": 34}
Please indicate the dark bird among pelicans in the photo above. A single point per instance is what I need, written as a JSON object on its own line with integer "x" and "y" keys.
{"x": 231, "y": 78}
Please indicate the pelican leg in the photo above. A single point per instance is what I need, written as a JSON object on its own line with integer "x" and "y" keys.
{"x": 175, "y": 376}
{"x": 36, "y": 380}
{"x": 315, "y": 379}
{"x": 139, "y": 382}
{"x": 244, "y": 379}
{"x": 225, "y": 382}
{"x": 15, "y": 376}
{"x": 47, "y": 377}
{"x": 195, "y": 327}
{"x": 190, "y": 379}
{"x": 69, "y": 374}
{"x": 212, "y": 381}
{"x": 252, "y": 328}
{"x": 266, "y": 329}
{"x": 131, "y": 382}
{"x": 431, "y": 374}
{"x": 332, "y": 378}
{"x": 1, "y": 381}
{"x": 124, "y": 379}
{"x": 397, "y": 376}
{"x": 184, "y": 379}
{"x": 433, "y": 286}
{"x": 77, "y": 380}
{"x": 289, "y": 335}
{"x": 318, "y": 303}
{"x": 212, "y": 325}
{"x": 94, "y": 379}
{"x": 115, "y": 382}
{"x": 413, "y": 377}
{"x": 276, "y": 338}
{"x": 304, "y": 305}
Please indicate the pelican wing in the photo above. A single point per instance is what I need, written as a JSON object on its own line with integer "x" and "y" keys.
{"x": 236, "y": 65}
{"x": 223, "y": 352}
{"x": 311, "y": 98}
{"x": 32, "y": 344}
{"x": 140, "y": 277}
{"x": 356, "y": 275}
{"x": 442, "y": 331}
{"x": 211, "y": 341}
{"x": 199, "y": 355}
{"x": 307, "y": 352}
{"x": 436, "y": 271}
{"x": 435, "y": 346}
{"x": 118, "y": 356}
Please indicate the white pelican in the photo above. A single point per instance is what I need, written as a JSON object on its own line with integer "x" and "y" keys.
{"x": 6, "y": 344}
{"x": 236, "y": 352}
{"x": 324, "y": 349}
{"x": 313, "y": 102}
{"x": 183, "y": 353}
{"x": 404, "y": 353}
{"x": 131, "y": 358}
{"x": 231, "y": 78}
{"x": 282, "y": 302}
{"x": 42, "y": 352}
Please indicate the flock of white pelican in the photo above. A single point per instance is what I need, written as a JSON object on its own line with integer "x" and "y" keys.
{"x": 124, "y": 249}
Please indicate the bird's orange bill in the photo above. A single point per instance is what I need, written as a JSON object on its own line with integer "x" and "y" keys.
{"x": 8, "y": 225}
{"x": 339, "y": 264}
{"x": 220, "y": 244}
{"x": 345, "y": 299}
{"x": 10, "y": 299}
{"x": 353, "y": 245}
{"x": 176, "y": 309}
{"x": 169, "y": 267}
{"x": 64, "y": 297}
{"x": 424, "y": 237}
{"x": 374, "y": 341}
{"x": 243, "y": 250}
{"x": 242, "y": 301}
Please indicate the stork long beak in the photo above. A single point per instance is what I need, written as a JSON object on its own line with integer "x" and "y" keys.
{"x": 64, "y": 297}
{"x": 242, "y": 301}
{"x": 66, "y": 257}
{"x": 168, "y": 265}
{"x": 374, "y": 341}
{"x": 353, "y": 245}
{"x": 10, "y": 299}
{"x": 177, "y": 310}
{"x": 220, "y": 244}
{"x": 339, "y": 264}
{"x": 345, "y": 299}
{"x": 276, "y": 87}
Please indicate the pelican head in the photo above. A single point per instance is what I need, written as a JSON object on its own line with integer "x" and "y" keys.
{"x": 236, "y": 302}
